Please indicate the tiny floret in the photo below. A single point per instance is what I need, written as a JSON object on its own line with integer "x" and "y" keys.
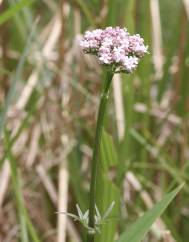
{"x": 115, "y": 47}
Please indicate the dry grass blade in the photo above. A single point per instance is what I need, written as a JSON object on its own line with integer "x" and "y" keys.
{"x": 186, "y": 4}
{"x": 62, "y": 201}
{"x": 119, "y": 110}
{"x": 47, "y": 183}
{"x": 157, "y": 39}
{"x": 4, "y": 181}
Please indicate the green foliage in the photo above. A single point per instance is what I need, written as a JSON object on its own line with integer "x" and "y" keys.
{"x": 26, "y": 227}
{"x": 106, "y": 186}
{"x": 14, "y": 9}
{"x": 62, "y": 106}
{"x": 15, "y": 79}
{"x": 137, "y": 231}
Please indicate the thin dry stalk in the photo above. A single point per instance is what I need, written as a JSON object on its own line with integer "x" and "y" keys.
{"x": 157, "y": 38}
{"x": 47, "y": 183}
{"x": 62, "y": 201}
{"x": 158, "y": 113}
{"x": 27, "y": 91}
{"x": 119, "y": 110}
{"x": 186, "y": 4}
{"x": 54, "y": 33}
{"x": 4, "y": 181}
{"x": 34, "y": 146}
{"x": 167, "y": 237}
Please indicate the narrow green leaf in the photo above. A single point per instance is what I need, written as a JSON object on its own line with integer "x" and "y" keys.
{"x": 13, "y": 10}
{"x": 26, "y": 225}
{"x": 86, "y": 11}
{"x": 107, "y": 187}
{"x": 137, "y": 231}
{"x": 112, "y": 12}
{"x": 19, "y": 200}
{"x": 15, "y": 78}
{"x": 79, "y": 211}
{"x": 22, "y": 126}
{"x": 170, "y": 168}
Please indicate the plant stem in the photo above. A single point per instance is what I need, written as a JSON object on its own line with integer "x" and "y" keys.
{"x": 96, "y": 150}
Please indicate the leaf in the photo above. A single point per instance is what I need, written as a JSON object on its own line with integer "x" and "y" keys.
{"x": 97, "y": 212}
{"x": 108, "y": 153}
{"x": 13, "y": 10}
{"x": 79, "y": 212}
{"x": 108, "y": 211}
{"x": 107, "y": 191}
{"x": 84, "y": 8}
{"x": 15, "y": 78}
{"x": 137, "y": 231}
{"x": 26, "y": 226}
{"x": 86, "y": 215}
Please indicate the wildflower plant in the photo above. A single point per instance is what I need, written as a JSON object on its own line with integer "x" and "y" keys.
{"x": 33, "y": 107}
{"x": 118, "y": 52}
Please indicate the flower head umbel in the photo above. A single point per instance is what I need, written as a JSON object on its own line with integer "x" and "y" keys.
{"x": 115, "y": 47}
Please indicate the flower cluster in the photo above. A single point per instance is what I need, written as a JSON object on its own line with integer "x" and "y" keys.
{"x": 115, "y": 47}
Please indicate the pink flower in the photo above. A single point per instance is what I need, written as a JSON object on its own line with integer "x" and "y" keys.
{"x": 130, "y": 63}
{"x": 115, "y": 46}
{"x": 118, "y": 54}
{"x": 136, "y": 45}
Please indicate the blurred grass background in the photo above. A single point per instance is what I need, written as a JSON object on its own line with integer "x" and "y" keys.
{"x": 48, "y": 101}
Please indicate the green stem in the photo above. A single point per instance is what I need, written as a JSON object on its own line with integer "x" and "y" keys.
{"x": 96, "y": 150}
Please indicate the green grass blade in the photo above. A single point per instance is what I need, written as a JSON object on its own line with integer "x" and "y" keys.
{"x": 15, "y": 78}
{"x": 170, "y": 168}
{"x": 31, "y": 229}
{"x": 76, "y": 178}
{"x": 107, "y": 187}
{"x": 170, "y": 29}
{"x": 112, "y": 13}
{"x": 22, "y": 126}
{"x": 85, "y": 9}
{"x": 25, "y": 223}
{"x": 137, "y": 231}
{"x": 14, "y": 9}
{"x": 18, "y": 193}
